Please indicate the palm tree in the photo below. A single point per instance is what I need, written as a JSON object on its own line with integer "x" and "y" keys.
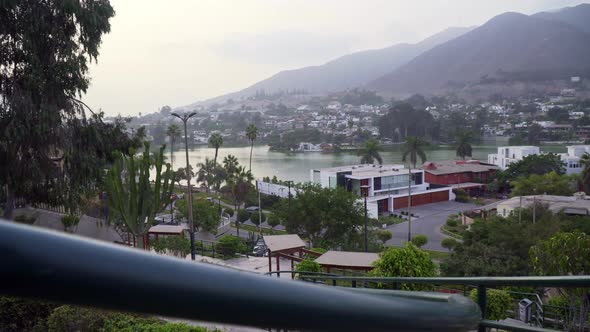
{"x": 413, "y": 148}
{"x": 240, "y": 183}
{"x": 463, "y": 142}
{"x": 370, "y": 152}
{"x": 206, "y": 173}
{"x": 215, "y": 141}
{"x": 230, "y": 163}
{"x": 251, "y": 133}
{"x": 173, "y": 132}
{"x": 585, "y": 176}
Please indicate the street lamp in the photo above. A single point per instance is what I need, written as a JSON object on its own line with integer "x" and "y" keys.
{"x": 184, "y": 118}
{"x": 366, "y": 193}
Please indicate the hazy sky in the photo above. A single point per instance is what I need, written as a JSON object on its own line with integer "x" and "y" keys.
{"x": 177, "y": 52}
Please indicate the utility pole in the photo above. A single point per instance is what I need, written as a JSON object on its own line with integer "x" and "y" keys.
{"x": 184, "y": 119}
{"x": 259, "y": 209}
{"x": 366, "y": 193}
{"x": 409, "y": 203}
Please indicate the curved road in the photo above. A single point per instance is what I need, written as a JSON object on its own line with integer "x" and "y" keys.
{"x": 429, "y": 218}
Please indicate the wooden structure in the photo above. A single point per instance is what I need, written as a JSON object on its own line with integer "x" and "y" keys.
{"x": 288, "y": 246}
{"x": 164, "y": 230}
{"x": 346, "y": 260}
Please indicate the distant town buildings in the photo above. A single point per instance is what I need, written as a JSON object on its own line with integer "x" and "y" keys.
{"x": 509, "y": 154}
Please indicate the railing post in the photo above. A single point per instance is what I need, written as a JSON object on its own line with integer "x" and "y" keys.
{"x": 333, "y": 282}
{"x": 354, "y": 284}
{"x": 482, "y": 302}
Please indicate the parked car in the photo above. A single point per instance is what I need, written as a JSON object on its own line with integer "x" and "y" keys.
{"x": 260, "y": 251}
{"x": 252, "y": 209}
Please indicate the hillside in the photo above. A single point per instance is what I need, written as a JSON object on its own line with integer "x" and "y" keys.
{"x": 509, "y": 47}
{"x": 348, "y": 71}
{"x": 578, "y": 16}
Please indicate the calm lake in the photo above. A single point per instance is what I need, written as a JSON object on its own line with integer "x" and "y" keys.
{"x": 297, "y": 166}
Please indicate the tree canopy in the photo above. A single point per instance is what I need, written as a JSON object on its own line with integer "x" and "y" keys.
{"x": 206, "y": 215}
{"x": 370, "y": 152}
{"x": 550, "y": 184}
{"x": 329, "y": 228}
{"x": 45, "y": 51}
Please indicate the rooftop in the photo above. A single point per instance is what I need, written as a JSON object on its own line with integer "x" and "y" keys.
{"x": 457, "y": 166}
{"x": 348, "y": 259}
{"x": 283, "y": 242}
{"x": 167, "y": 229}
{"x": 568, "y": 204}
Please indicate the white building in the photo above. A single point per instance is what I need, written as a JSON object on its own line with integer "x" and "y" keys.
{"x": 386, "y": 186}
{"x": 509, "y": 154}
{"x": 578, "y": 204}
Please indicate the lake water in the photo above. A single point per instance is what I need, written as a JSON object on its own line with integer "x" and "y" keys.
{"x": 297, "y": 166}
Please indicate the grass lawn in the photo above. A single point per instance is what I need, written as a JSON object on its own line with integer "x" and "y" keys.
{"x": 437, "y": 254}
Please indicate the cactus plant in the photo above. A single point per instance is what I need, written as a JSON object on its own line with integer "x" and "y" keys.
{"x": 132, "y": 198}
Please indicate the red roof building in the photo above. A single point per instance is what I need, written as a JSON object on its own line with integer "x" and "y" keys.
{"x": 469, "y": 175}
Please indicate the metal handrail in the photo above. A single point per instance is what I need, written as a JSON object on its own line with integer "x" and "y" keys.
{"x": 43, "y": 264}
{"x": 550, "y": 281}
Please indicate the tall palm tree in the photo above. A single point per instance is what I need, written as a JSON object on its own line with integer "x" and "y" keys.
{"x": 251, "y": 133}
{"x": 414, "y": 148}
{"x": 215, "y": 141}
{"x": 230, "y": 163}
{"x": 206, "y": 173}
{"x": 585, "y": 176}
{"x": 173, "y": 132}
{"x": 463, "y": 141}
{"x": 370, "y": 152}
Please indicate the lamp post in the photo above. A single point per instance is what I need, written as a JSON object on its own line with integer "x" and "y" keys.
{"x": 409, "y": 204}
{"x": 365, "y": 194}
{"x": 184, "y": 119}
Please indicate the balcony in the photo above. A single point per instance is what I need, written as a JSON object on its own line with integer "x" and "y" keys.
{"x": 53, "y": 266}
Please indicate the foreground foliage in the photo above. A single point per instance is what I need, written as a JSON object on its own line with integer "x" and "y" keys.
{"x": 409, "y": 261}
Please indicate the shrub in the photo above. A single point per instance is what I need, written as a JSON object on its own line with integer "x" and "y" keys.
{"x": 25, "y": 219}
{"x": 23, "y": 315}
{"x": 318, "y": 250}
{"x": 255, "y": 217}
{"x": 384, "y": 236}
{"x": 229, "y": 211}
{"x": 70, "y": 222}
{"x": 308, "y": 265}
{"x": 449, "y": 243}
{"x": 229, "y": 245}
{"x": 461, "y": 196}
{"x": 72, "y": 319}
{"x": 409, "y": 261}
{"x": 243, "y": 215}
{"x": 498, "y": 302}
{"x": 273, "y": 220}
{"x": 178, "y": 246}
{"x": 420, "y": 240}
{"x": 452, "y": 222}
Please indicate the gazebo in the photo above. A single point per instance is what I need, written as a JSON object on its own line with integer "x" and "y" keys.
{"x": 347, "y": 260}
{"x": 164, "y": 230}
{"x": 288, "y": 246}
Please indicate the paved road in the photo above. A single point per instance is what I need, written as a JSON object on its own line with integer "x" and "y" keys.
{"x": 430, "y": 218}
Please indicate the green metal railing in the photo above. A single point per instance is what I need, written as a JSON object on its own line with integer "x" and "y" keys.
{"x": 480, "y": 283}
{"x": 43, "y": 264}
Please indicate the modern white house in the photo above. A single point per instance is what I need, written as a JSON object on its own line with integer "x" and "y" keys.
{"x": 509, "y": 154}
{"x": 385, "y": 186}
